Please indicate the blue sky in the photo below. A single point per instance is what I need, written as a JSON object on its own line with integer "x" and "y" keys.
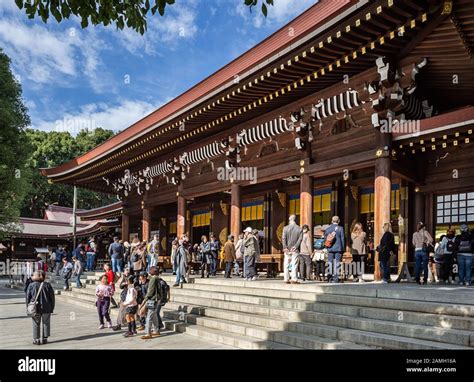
{"x": 74, "y": 78}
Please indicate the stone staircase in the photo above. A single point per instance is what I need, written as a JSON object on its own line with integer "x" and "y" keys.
{"x": 272, "y": 315}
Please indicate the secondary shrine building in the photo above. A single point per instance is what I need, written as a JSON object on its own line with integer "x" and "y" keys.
{"x": 361, "y": 109}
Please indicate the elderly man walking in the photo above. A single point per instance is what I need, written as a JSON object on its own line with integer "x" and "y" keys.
{"x": 291, "y": 240}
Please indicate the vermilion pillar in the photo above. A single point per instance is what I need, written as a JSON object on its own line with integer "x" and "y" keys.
{"x": 382, "y": 195}
{"x": 181, "y": 218}
{"x": 306, "y": 201}
{"x": 125, "y": 227}
{"x": 146, "y": 223}
{"x": 235, "y": 211}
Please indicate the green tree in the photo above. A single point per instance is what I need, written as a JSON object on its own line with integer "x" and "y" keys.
{"x": 51, "y": 149}
{"x": 14, "y": 148}
{"x": 130, "y": 13}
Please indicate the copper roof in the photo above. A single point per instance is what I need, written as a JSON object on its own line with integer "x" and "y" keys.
{"x": 301, "y": 26}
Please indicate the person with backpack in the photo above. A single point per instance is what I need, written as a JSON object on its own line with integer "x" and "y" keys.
{"x": 41, "y": 293}
{"x": 130, "y": 305}
{"x": 103, "y": 293}
{"x": 150, "y": 303}
{"x": 423, "y": 243}
{"x": 66, "y": 272}
{"x": 335, "y": 244}
{"x": 444, "y": 256}
{"x": 165, "y": 297}
{"x": 320, "y": 255}
{"x": 77, "y": 271}
{"x": 465, "y": 251}
{"x": 180, "y": 263}
{"x": 386, "y": 248}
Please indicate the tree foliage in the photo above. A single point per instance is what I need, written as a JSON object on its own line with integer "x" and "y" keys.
{"x": 51, "y": 149}
{"x": 14, "y": 147}
{"x": 130, "y": 13}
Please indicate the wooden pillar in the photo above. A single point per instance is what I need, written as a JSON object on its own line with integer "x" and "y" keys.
{"x": 403, "y": 222}
{"x": 125, "y": 227}
{"x": 267, "y": 222}
{"x": 235, "y": 211}
{"x": 278, "y": 220}
{"x": 429, "y": 213}
{"x": 383, "y": 192}
{"x": 419, "y": 208}
{"x": 146, "y": 224}
{"x": 306, "y": 201}
{"x": 181, "y": 218}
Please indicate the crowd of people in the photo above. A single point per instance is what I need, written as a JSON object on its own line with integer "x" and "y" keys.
{"x": 308, "y": 255}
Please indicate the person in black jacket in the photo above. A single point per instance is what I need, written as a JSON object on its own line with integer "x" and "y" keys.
{"x": 385, "y": 249}
{"x": 45, "y": 306}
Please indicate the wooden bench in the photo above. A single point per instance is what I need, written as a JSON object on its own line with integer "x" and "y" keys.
{"x": 268, "y": 266}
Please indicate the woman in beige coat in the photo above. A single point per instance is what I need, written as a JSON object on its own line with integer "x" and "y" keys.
{"x": 359, "y": 250}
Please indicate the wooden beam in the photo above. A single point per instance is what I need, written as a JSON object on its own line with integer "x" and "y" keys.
{"x": 425, "y": 32}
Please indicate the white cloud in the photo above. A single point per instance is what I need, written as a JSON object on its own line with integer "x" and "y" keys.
{"x": 282, "y": 11}
{"x": 178, "y": 23}
{"x": 90, "y": 116}
{"x": 46, "y": 54}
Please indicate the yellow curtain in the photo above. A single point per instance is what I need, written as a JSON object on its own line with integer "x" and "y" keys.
{"x": 172, "y": 228}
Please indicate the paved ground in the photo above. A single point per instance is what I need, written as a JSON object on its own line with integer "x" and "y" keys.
{"x": 75, "y": 327}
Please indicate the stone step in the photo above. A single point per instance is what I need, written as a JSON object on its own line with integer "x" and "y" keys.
{"x": 446, "y": 335}
{"x": 352, "y": 338}
{"x": 436, "y": 320}
{"x": 441, "y": 294}
{"x": 457, "y": 309}
{"x": 284, "y": 338}
{"x": 240, "y": 342}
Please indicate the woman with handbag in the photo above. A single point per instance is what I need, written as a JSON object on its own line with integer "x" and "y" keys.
{"x": 423, "y": 243}
{"x": 359, "y": 250}
{"x": 385, "y": 249}
{"x": 40, "y": 304}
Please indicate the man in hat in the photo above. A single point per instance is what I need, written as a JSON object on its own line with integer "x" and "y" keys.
{"x": 251, "y": 253}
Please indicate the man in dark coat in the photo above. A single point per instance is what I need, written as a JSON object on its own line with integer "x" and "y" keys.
{"x": 44, "y": 307}
{"x": 335, "y": 235}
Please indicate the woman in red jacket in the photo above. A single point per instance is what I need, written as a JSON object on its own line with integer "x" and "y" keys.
{"x": 111, "y": 281}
